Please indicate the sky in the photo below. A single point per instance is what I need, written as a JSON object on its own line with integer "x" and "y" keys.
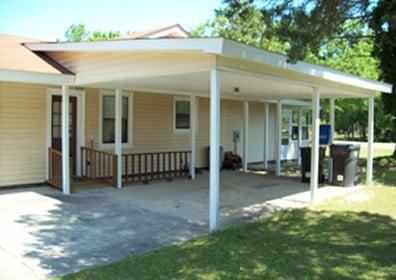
{"x": 49, "y": 19}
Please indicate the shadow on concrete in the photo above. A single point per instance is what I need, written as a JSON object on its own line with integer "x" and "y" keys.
{"x": 91, "y": 228}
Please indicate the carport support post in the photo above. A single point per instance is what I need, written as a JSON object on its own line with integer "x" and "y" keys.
{"x": 214, "y": 175}
{"x": 118, "y": 135}
{"x": 315, "y": 143}
{"x": 245, "y": 135}
{"x": 278, "y": 138}
{"x": 370, "y": 141}
{"x": 193, "y": 136}
{"x": 266, "y": 129}
{"x": 65, "y": 141}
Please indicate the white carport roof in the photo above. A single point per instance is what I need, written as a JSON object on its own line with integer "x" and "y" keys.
{"x": 183, "y": 65}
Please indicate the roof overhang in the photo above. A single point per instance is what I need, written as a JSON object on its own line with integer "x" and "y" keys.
{"x": 219, "y": 47}
{"x": 35, "y": 77}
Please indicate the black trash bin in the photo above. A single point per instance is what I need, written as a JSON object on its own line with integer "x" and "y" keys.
{"x": 221, "y": 157}
{"x": 345, "y": 163}
{"x": 306, "y": 164}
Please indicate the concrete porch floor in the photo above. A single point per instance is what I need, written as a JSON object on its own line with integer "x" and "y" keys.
{"x": 46, "y": 233}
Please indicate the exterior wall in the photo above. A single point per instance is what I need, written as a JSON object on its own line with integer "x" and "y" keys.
{"x": 23, "y": 129}
{"x": 256, "y": 132}
{"x": 22, "y": 133}
{"x": 231, "y": 119}
{"x": 153, "y": 124}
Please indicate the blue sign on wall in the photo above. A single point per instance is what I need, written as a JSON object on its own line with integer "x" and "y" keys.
{"x": 324, "y": 134}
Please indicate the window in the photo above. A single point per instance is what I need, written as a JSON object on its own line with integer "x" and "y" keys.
{"x": 294, "y": 133}
{"x": 285, "y": 127}
{"x": 181, "y": 114}
{"x": 306, "y": 125}
{"x": 108, "y": 119}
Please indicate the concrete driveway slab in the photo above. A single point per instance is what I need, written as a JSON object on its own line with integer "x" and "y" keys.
{"x": 44, "y": 233}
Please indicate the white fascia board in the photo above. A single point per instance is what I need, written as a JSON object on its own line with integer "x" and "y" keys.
{"x": 36, "y": 78}
{"x": 290, "y": 102}
{"x": 209, "y": 45}
{"x": 245, "y": 52}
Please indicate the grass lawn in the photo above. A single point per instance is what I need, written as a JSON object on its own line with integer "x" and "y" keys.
{"x": 379, "y": 150}
{"x": 346, "y": 238}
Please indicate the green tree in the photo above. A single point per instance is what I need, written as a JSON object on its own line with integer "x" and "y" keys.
{"x": 310, "y": 25}
{"x": 383, "y": 23}
{"x": 100, "y": 36}
{"x": 329, "y": 33}
{"x": 78, "y": 32}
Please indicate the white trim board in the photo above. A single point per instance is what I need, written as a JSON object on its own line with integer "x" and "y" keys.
{"x": 80, "y": 94}
{"x": 35, "y": 77}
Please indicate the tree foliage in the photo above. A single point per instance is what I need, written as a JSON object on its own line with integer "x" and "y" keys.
{"x": 78, "y": 32}
{"x": 383, "y": 24}
{"x": 349, "y": 50}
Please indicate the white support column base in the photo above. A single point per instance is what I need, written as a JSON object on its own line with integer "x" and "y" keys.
{"x": 193, "y": 135}
{"x": 214, "y": 175}
{"x": 65, "y": 141}
{"x": 370, "y": 142}
{"x": 314, "y": 176}
{"x": 118, "y": 135}
{"x": 245, "y": 135}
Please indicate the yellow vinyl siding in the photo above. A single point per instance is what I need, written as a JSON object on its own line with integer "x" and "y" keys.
{"x": 22, "y": 133}
{"x": 256, "y": 132}
{"x": 153, "y": 124}
{"x": 23, "y": 128}
{"x": 231, "y": 119}
{"x": 91, "y": 118}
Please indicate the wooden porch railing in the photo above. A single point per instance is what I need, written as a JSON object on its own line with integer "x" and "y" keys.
{"x": 99, "y": 165}
{"x": 144, "y": 167}
{"x": 55, "y": 168}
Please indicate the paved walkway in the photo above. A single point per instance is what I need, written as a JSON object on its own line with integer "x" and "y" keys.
{"x": 44, "y": 233}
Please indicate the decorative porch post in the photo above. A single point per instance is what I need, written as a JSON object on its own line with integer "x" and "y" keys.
{"x": 278, "y": 138}
{"x": 118, "y": 135}
{"x": 214, "y": 149}
{"x": 266, "y": 129}
{"x": 245, "y": 135}
{"x": 315, "y": 143}
{"x": 370, "y": 141}
{"x": 65, "y": 141}
{"x": 193, "y": 135}
{"x": 299, "y": 141}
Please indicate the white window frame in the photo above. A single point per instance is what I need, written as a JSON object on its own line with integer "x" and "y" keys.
{"x": 129, "y": 144}
{"x": 180, "y": 130}
{"x": 289, "y": 112}
{"x": 308, "y": 126}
